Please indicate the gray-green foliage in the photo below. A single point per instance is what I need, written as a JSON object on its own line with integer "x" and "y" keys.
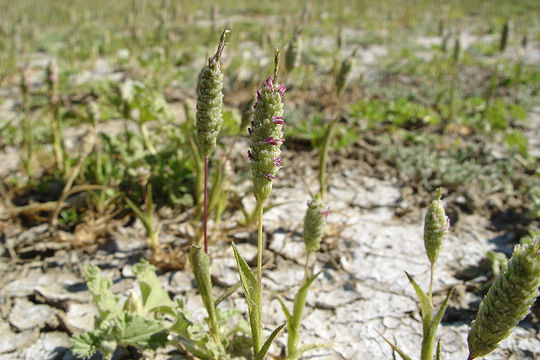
{"x": 119, "y": 325}
{"x": 151, "y": 319}
{"x": 435, "y": 229}
{"x": 343, "y": 75}
{"x": 508, "y": 300}
{"x": 209, "y": 117}
{"x": 200, "y": 264}
{"x": 314, "y": 224}
{"x": 294, "y": 51}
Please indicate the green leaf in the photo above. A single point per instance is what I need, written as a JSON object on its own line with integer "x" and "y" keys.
{"x": 438, "y": 353}
{"x": 200, "y": 264}
{"x": 85, "y": 345}
{"x": 300, "y": 300}
{"x": 250, "y": 286}
{"x": 154, "y": 297}
{"x": 181, "y": 325}
{"x": 136, "y": 330}
{"x": 440, "y": 313}
{"x": 268, "y": 342}
{"x": 426, "y": 308}
{"x": 396, "y": 349}
{"x": 303, "y": 349}
{"x": 298, "y": 311}
{"x": 148, "y": 226}
{"x": 106, "y": 303}
{"x": 227, "y": 293}
{"x": 284, "y": 307}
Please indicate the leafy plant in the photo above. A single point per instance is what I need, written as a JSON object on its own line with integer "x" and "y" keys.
{"x": 135, "y": 322}
{"x": 436, "y": 225}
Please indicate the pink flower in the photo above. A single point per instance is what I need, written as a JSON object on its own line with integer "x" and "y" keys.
{"x": 271, "y": 141}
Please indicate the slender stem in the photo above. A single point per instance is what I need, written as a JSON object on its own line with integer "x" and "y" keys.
{"x": 306, "y": 267}
{"x": 276, "y": 66}
{"x": 205, "y": 215}
{"x": 259, "y": 250}
{"x": 431, "y": 280}
{"x": 323, "y": 155}
{"x": 144, "y": 196}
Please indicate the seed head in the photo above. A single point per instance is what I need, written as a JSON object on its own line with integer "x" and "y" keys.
{"x": 209, "y": 116}
{"x": 436, "y": 225}
{"x": 25, "y": 83}
{"x": 314, "y": 223}
{"x": 343, "y": 75}
{"x": 457, "y": 49}
{"x": 266, "y": 133}
{"x": 52, "y": 72}
{"x": 504, "y": 36}
{"x": 294, "y": 50}
{"x": 508, "y": 300}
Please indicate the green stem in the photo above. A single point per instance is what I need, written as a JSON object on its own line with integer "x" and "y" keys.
{"x": 431, "y": 281}
{"x": 259, "y": 251}
{"x": 323, "y": 155}
{"x": 57, "y": 147}
{"x": 306, "y": 267}
{"x": 205, "y": 211}
{"x": 427, "y": 348}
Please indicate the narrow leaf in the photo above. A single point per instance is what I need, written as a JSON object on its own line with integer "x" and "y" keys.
{"x": 200, "y": 264}
{"x": 283, "y": 307}
{"x": 227, "y": 293}
{"x": 249, "y": 284}
{"x": 426, "y": 307}
{"x": 268, "y": 342}
{"x": 440, "y": 313}
{"x": 300, "y": 300}
{"x": 147, "y": 225}
{"x": 303, "y": 349}
{"x": 298, "y": 311}
{"x": 396, "y": 349}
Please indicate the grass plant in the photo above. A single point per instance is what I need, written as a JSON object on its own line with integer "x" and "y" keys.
{"x": 430, "y": 115}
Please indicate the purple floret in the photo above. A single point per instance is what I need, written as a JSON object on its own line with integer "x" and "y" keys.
{"x": 271, "y": 141}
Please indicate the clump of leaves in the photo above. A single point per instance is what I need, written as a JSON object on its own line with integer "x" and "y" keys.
{"x": 152, "y": 320}
{"x": 136, "y": 322}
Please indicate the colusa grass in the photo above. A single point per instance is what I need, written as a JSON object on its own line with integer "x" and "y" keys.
{"x": 266, "y": 133}
{"x": 209, "y": 116}
{"x": 508, "y": 301}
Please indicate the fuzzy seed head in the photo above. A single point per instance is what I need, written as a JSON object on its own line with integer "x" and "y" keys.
{"x": 52, "y": 73}
{"x": 457, "y": 49}
{"x": 294, "y": 50}
{"x": 504, "y": 36}
{"x": 343, "y": 75}
{"x": 25, "y": 84}
{"x": 209, "y": 117}
{"x": 508, "y": 300}
{"x": 436, "y": 225}
{"x": 266, "y": 133}
{"x": 314, "y": 224}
